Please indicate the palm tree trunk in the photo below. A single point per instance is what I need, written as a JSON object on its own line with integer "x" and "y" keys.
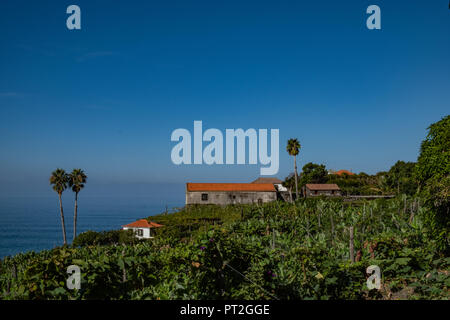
{"x": 75, "y": 216}
{"x": 296, "y": 183}
{"x": 62, "y": 219}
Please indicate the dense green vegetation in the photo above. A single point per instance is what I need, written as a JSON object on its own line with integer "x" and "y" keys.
{"x": 400, "y": 179}
{"x": 112, "y": 237}
{"x": 279, "y": 250}
{"x": 274, "y": 251}
{"x": 433, "y": 175}
{"x": 429, "y": 176}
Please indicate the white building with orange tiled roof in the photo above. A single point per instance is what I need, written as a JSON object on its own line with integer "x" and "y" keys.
{"x": 142, "y": 228}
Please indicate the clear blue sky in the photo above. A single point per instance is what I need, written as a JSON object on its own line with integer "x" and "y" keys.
{"x": 106, "y": 98}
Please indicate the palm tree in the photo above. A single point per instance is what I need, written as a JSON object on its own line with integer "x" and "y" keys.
{"x": 59, "y": 181}
{"x": 293, "y": 147}
{"x": 77, "y": 179}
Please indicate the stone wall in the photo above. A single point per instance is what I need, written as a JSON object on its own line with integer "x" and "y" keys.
{"x": 229, "y": 197}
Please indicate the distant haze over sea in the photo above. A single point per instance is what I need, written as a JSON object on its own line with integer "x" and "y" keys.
{"x": 31, "y": 221}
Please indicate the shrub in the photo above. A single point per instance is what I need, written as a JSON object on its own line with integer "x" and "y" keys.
{"x": 113, "y": 237}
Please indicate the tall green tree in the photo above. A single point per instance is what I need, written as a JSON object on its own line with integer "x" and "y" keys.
{"x": 401, "y": 178}
{"x": 59, "y": 180}
{"x": 77, "y": 180}
{"x": 433, "y": 174}
{"x": 293, "y": 148}
{"x": 434, "y": 159}
{"x": 313, "y": 173}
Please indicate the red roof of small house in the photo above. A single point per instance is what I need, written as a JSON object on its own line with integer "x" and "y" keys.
{"x": 340, "y": 172}
{"x": 143, "y": 223}
{"x": 237, "y": 187}
{"x": 322, "y": 186}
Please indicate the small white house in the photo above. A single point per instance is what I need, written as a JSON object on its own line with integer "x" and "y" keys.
{"x": 142, "y": 228}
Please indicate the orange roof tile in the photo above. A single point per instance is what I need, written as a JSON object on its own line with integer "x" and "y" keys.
{"x": 322, "y": 186}
{"x": 340, "y": 172}
{"x": 143, "y": 223}
{"x": 237, "y": 187}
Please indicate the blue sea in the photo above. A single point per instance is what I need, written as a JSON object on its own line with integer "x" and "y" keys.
{"x": 33, "y": 222}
